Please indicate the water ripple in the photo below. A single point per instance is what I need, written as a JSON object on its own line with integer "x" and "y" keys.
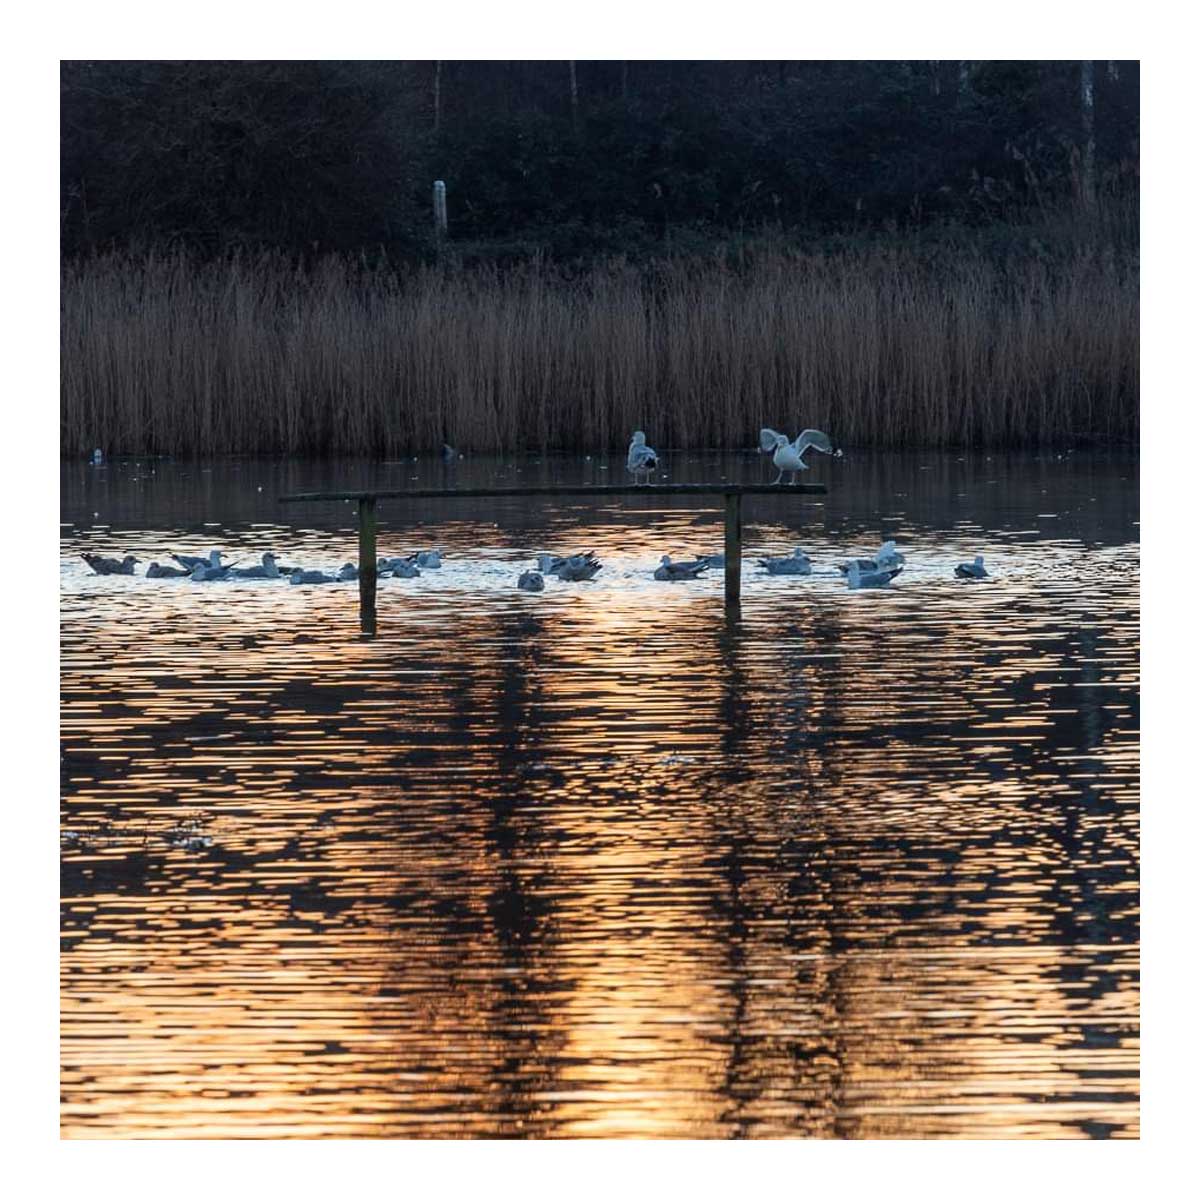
{"x": 601, "y": 862}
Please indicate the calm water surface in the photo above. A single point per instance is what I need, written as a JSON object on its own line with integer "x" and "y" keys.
{"x": 600, "y": 862}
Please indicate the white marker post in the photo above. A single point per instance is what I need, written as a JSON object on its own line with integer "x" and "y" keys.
{"x": 439, "y": 208}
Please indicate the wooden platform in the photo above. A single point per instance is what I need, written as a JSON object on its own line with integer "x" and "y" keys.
{"x": 731, "y": 494}
{"x": 573, "y": 489}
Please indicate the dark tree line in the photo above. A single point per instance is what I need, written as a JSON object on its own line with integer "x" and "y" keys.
{"x": 573, "y": 159}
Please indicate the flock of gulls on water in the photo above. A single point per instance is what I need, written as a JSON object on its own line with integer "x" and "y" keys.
{"x": 211, "y": 569}
{"x": 788, "y": 456}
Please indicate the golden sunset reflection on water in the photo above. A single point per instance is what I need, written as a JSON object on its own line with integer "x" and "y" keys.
{"x": 603, "y": 862}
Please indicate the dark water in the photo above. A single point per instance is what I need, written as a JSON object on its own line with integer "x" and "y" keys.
{"x": 599, "y": 862}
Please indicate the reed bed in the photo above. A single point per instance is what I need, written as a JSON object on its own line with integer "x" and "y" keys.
{"x": 256, "y": 355}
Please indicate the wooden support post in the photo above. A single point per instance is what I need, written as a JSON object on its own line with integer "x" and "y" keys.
{"x": 733, "y": 549}
{"x": 366, "y": 564}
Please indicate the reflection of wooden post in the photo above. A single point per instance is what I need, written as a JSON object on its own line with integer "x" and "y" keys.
{"x": 733, "y": 549}
{"x": 439, "y": 209}
{"x": 366, "y": 564}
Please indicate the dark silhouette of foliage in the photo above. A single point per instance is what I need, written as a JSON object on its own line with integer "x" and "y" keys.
{"x": 312, "y": 157}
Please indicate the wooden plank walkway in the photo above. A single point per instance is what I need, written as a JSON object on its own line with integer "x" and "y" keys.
{"x": 731, "y": 494}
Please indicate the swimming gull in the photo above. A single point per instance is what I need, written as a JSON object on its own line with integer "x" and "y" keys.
{"x": 348, "y": 573}
{"x": 551, "y": 564}
{"x": 796, "y": 563}
{"x": 886, "y": 557}
{"x": 857, "y": 578}
{"x": 302, "y": 576}
{"x": 642, "y": 460}
{"x": 578, "y": 567}
{"x": 191, "y": 561}
{"x": 268, "y": 569}
{"x": 675, "y": 571}
{"x": 530, "y": 581}
{"x": 205, "y": 574}
{"x": 154, "y": 571}
{"x": 431, "y": 559}
{"x": 971, "y": 570}
{"x": 110, "y": 566}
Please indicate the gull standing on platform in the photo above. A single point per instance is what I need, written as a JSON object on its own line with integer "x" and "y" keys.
{"x": 789, "y": 456}
{"x": 642, "y": 460}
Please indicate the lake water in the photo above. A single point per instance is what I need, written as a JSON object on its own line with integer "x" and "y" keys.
{"x": 601, "y": 861}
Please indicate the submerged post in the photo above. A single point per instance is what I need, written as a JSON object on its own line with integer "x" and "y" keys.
{"x": 366, "y": 564}
{"x": 733, "y": 549}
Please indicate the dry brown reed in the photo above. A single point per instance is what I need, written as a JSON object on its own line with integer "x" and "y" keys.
{"x": 256, "y": 355}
